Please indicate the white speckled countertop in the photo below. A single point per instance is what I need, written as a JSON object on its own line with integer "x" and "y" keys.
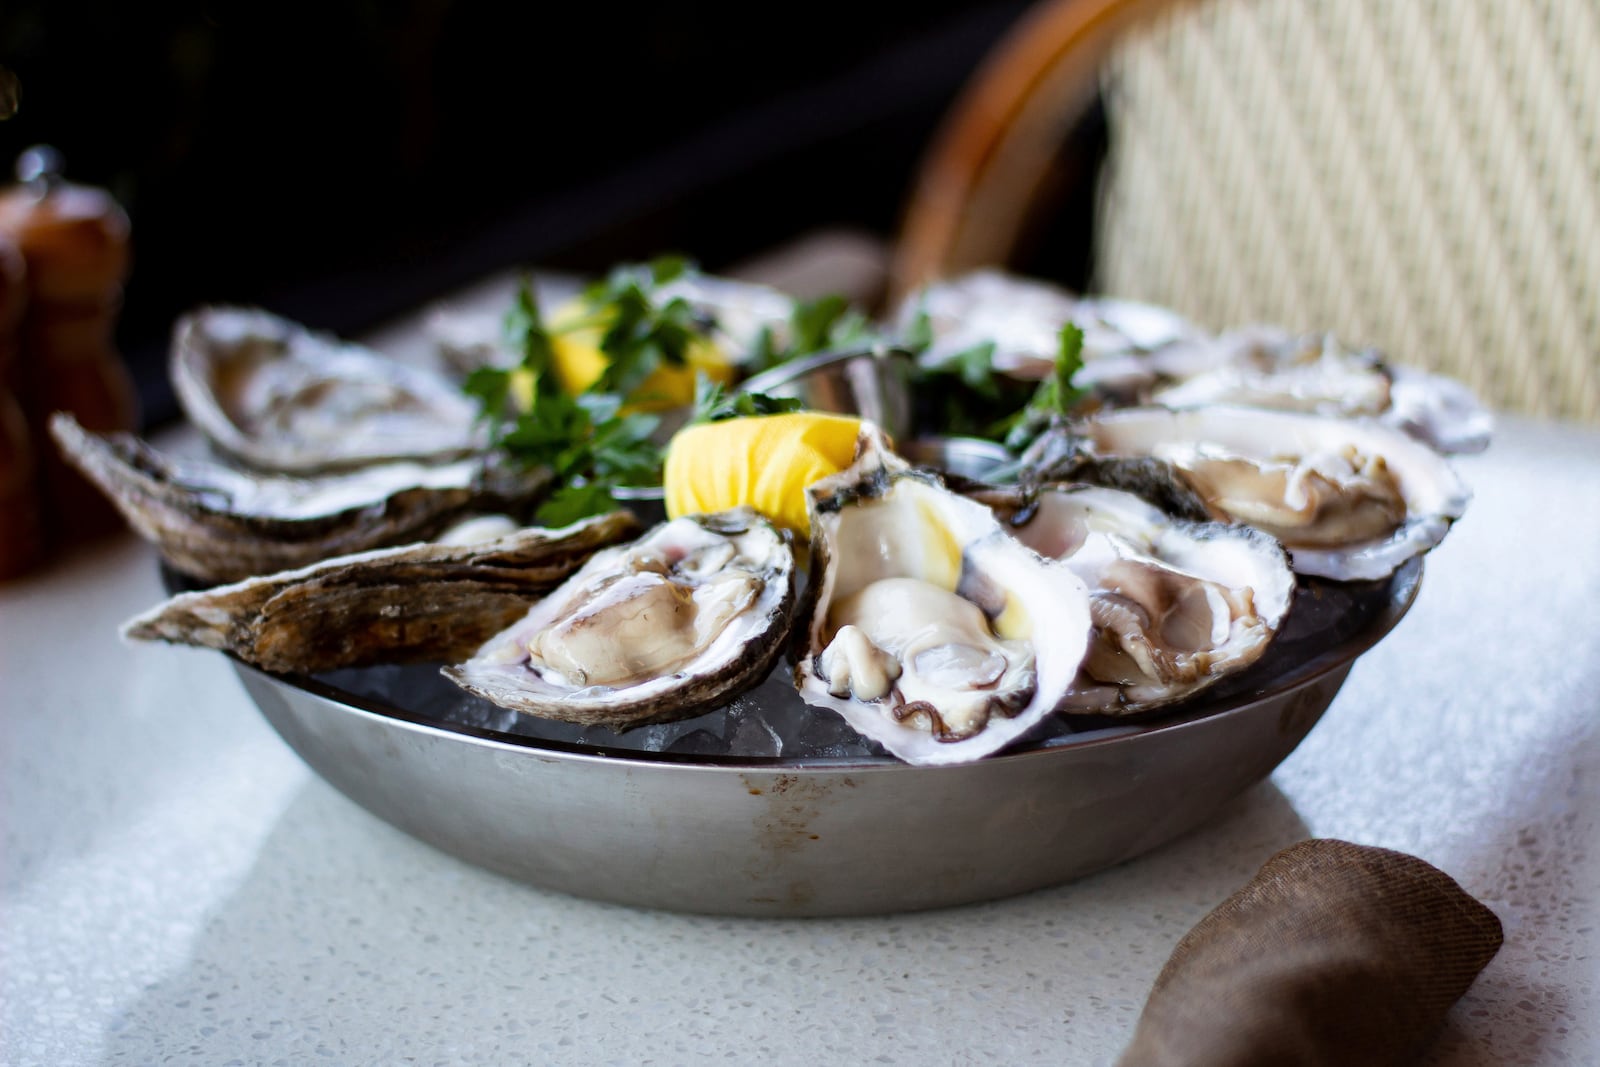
{"x": 179, "y": 888}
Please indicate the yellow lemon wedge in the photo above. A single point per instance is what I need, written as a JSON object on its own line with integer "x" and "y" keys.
{"x": 579, "y": 363}
{"x": 764, "y": 461}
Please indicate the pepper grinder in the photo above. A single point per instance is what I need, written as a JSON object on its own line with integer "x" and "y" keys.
{"x": 21, "y": 535}
{"x": 74, "y": 239}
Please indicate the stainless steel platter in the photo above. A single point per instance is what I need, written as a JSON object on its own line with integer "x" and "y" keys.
{"x": 727, "y": 832}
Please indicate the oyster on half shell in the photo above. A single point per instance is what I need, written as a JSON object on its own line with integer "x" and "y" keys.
{"x": 218, "y": 524}
{"x": 412, "y": 603}
{"x": 933, "y": 631}
{"x": 1351, "y": 499}
{"x": 665, "y": 628}
{"x": 1177, "y": 606}
{"x": 1022, "y": 318}
{"x": 277, "y": 397}
{"x": 1270, "y": 367}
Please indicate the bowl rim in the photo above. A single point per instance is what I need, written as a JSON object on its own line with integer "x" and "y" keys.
{"x": 1399, "y": 592}
{"x": 793, "y": 370}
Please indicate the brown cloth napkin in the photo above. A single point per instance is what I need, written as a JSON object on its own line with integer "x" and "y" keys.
{"x": 1332, "y": 954}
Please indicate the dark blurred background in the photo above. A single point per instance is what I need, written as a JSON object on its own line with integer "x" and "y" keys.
{"x": 342, "y": 162}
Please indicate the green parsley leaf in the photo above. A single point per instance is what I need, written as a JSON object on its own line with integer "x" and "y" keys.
{"x": 820, "y": 325}
{"x": 713, "y": 404}
{"x": 918, "y": 337}
{"x": 570, "y": 503}
{"x": 526, "y": 332}
{"x": 1054, "y": 397}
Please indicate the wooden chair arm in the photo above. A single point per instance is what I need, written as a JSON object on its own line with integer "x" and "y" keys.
{"x": 986, "y": 162}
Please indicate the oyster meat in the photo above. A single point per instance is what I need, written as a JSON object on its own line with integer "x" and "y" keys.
{"x": 664, "y": 628}
{"x": 933, "y": 632}
{"x": 408, "y": 604}
{"x": 1176, "y": 605}
{"x": 1267, "y": 366}
{"x": 217, "y": 524}
{"x": 1023, "y": 317}
{"x": 1351, "y": 499}
{"x": 277, "y": 397}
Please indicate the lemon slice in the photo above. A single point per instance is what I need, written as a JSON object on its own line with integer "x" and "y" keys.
{"x": 763, "y": 461}
{"x": 579, "y": 363}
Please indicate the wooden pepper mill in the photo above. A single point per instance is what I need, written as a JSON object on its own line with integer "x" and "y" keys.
{"x": 74, "y": 239}
{"x": 21, "y": 524}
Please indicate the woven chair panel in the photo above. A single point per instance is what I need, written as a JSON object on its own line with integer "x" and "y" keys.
{"x": 1422, "y": 175}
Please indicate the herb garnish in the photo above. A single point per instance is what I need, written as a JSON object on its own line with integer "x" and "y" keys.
{"x": 640, "y": 333}
{"x": 713, "y": 404}
{"x": 586, "y": 441}
{"x": 819, "y": 325}
{"x": 969, "y": 397}
{"x": 1054, "y": 397}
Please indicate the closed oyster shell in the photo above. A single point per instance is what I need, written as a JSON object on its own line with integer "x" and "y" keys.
{"x": 664, "y": 628}
{"x": 412, "y": 603}
{"x": 217, "y": 524}
{"x": 277, "y": 397}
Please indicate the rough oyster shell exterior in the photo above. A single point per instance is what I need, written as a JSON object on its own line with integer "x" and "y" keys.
{"x": 413, "y": 603}
{"x": 217, "y": 524}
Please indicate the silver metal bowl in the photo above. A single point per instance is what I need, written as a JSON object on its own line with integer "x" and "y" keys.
{"x": 965, "y": 457}
{"x": 830, "y": 836}
{"x": 874, "y": 383}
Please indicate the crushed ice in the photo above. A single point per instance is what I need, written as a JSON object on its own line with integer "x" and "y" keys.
{"x": 771, "y": 721}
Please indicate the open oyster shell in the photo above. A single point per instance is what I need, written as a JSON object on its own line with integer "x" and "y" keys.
{"x": 933, "y": 631}
{"x": 412, "y": 603}
{"x": 1270, "y": 367}
{"x": 1023, "y": 317}
{"x": 217, "y": 524}
{"x": 1177, "y": 606}
{"x": 664, "y": 628}
{"x": 1351, "y": 499}
{"x": 277, "y": 397}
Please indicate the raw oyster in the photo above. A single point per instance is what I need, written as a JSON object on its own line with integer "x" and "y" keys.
{"x": 220, "y": 525}
{"x": 277, "y": 397}
{"x": 665, "y": 628}
{"x": 1176, "y": 605}
{"x": 1267, "y": 366}
{"x": 933, "y": 631}
{"x": 1023, "y": 318}
{"x": 413, "y": 603}
{"x": 1351, "y": 499}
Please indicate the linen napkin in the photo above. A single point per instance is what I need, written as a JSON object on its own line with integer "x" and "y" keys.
{"x": 1333, "y": 954}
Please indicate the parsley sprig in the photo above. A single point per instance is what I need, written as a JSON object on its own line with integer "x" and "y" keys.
{"x": 713, "y": 404}
{"x": 1054, "y": 397}
{"x": 588, "y": 444}
{"x": 642, "y": 332}
{"x": 819, "y": 325}
{"x": 969, "y": 397}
